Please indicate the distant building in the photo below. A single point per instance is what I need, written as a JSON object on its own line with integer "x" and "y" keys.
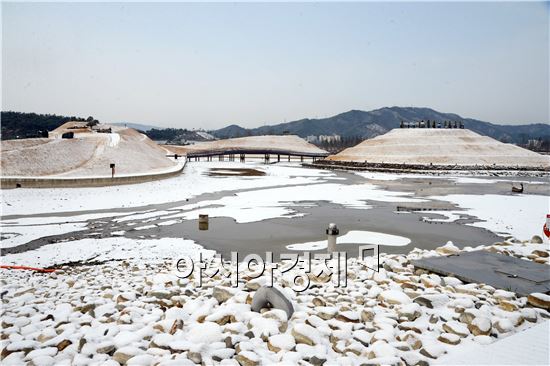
{"x": 311, "y": 138}
{"x": 330, "y": 138}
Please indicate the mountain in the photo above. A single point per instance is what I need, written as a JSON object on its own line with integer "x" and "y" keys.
{"x": 379, "y": 121}
{"x": 232, "y": 131}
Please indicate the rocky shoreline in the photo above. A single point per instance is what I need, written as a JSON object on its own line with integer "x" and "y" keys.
{"x": 138, "y": 313}
{"x": 528, "y": 171}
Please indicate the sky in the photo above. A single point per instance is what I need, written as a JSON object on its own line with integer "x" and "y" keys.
{"x": 205, "y": 65}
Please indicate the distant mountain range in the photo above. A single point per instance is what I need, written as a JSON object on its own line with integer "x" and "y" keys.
{"x": 379, "y": 121}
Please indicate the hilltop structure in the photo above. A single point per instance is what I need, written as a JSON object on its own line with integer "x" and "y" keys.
{"x": 79, "y": 151}
{"x": 440, "y": 147}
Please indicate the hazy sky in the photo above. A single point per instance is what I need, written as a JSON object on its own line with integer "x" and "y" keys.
{"x": 209, "y": 65}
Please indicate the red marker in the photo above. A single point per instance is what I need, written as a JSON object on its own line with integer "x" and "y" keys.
{"x": 546, "y": 227}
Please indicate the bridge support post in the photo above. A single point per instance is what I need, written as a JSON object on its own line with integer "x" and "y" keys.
{"x": 242, "y": 158}
{"x": 289, "y": 158}
{"x": 278, "y": 158}
{"x": 301, "y": 158}
{"x": 266, "y": 157}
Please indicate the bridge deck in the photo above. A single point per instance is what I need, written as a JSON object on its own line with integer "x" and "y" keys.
{"x": 193, "y": 154}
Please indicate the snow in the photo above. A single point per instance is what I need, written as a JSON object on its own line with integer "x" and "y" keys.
{"x": 87, "y": 155}
{"x": 395, "y": 297}
{"x": 191, "y": 183}
{"x": 206, "y": 332}
{"x": 518, "y": 215}
{"x": 16, "y": 235}
{"x": 355, "y": 237}
{"x": 283, "y": 341}
{"x": 286, "y": 143}
{"x": 541, "y": 297}
{"x": 105, "y": 249}
{"x": 529, "y": 347}
{"x": 143, "y": 309}
{"x": 440, "y": 147}
{"x": 23, "y": 230}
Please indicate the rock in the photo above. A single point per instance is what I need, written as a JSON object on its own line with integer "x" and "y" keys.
{"x": 539, "y": 300}
{"x": 207, "y": 332}
{"x": 196, "y": 357}
{"x": 410, "y": 311}
{"x": 63, "y": 344}
{"x": 280, "y": 342}
{"x": 124, "y": 354}
{"x": 432, "y": 350}
{"x": 105, "y": 347}
{"x": 222, "y": 294}
{"x": 430, "y": 280}
{"x": 254, "y": 284}
{"x": 367, "y": 315}
{"x": 304, "y": 333}
{"x": 326, "y": 312}
{"x": 160, "y": 294}
{"x": 467, "y": 316}
{"x": 81, "y": 343}
{"x": 540, "y": 253}
{"x": 222, "y": 354}
{"x": 318, "y": 302}
{"x": 432, "y": 300}
{"x": 394, "y": 297}
{"x": 529, "y": 314}
{"x": 457, "y": 328}
{"x": 480, "y": 326}
{"x": 348, "y": 317}
{"x": 247, "y": 358}
{"x": 449, "y": 338}
{"x": 228, "y": 342}
{"x": 382, "y": 349}
{"x": 448, "y": 249}
{"x": 504, "y": 325}
{"x": 536, "y": 239}
{"x": 507, "y": 306}
{"x": 412, "y": 340}
{"x": 178, "y": 324}
{"x": 316, "y": 361}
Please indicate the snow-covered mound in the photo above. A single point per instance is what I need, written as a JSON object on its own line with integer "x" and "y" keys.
{"x": 275, "y": 144}
{"x": 88, "y": 154}
{"x": 425, "y": 146}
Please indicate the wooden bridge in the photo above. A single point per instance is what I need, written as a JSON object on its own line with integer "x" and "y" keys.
{"x": 270, "y": 148}
{"x": 240, "y": 154}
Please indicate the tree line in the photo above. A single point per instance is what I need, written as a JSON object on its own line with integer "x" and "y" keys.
{"x": 19, "y": 125}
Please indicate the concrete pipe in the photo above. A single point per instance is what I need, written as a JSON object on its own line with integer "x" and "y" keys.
{"x": 203, "y": 222}
{"x": 270, "y": 297}
{"x": 332, "y": 234}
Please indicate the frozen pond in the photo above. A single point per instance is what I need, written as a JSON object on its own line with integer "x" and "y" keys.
{"x": 287, "y": 208}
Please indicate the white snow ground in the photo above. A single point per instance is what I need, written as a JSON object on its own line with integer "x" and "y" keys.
{"x": 521, "y": 216}
{"x": 192, "y": 182}
{"x": 529, "y": 347}
{"x": 355, "y": 237}
{"x": 147, "y": 250}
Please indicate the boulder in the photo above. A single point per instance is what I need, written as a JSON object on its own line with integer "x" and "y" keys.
{"x": 539, "y": 300}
